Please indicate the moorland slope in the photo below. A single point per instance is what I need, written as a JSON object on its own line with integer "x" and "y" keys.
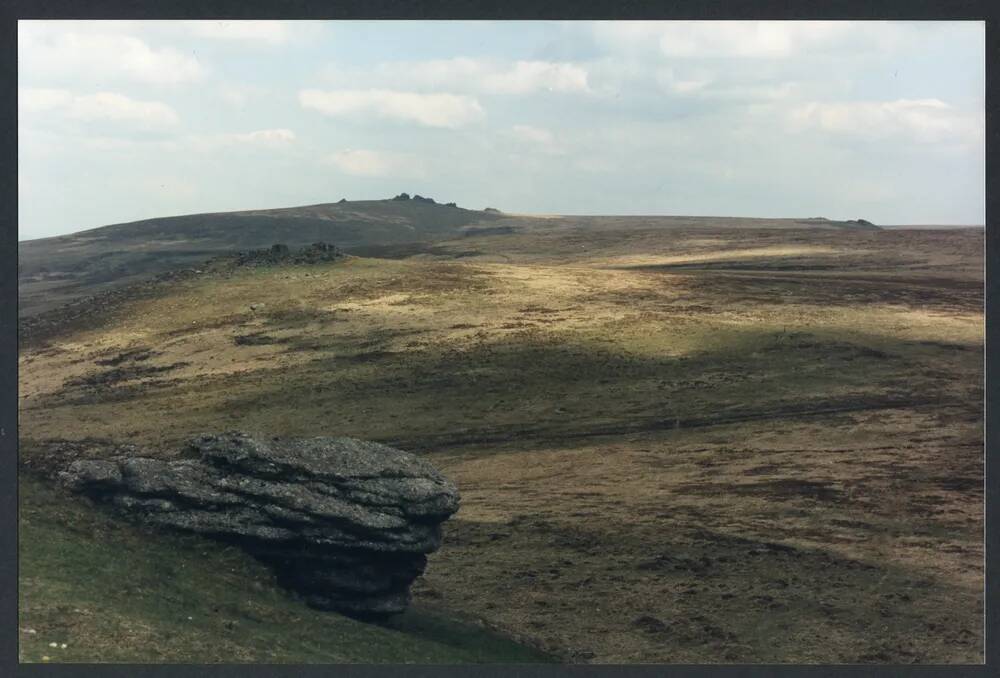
{"x": 691, "y": 444}
{"x": 53, "y": 271}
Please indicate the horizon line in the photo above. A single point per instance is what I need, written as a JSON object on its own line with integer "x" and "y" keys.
{"x": 536, "y": 215}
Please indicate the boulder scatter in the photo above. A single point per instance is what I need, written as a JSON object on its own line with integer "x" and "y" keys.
{"x": 280, "y": 254}
{"x": 420, "y": 198}
{"x": 345, "y": 523}
{"x": 88, "y": 309}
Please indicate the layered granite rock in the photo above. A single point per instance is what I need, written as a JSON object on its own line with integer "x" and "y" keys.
{"x": 346, "y": 523}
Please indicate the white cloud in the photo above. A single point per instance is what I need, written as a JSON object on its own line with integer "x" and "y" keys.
{"x": 687, "y": 86}
{"x": 535, "y": 135}
{"x": 118, "y": 144}
{"x": 260, "y": 32}
{"x": 671, "y": 82}
{"x": 94, "y": 56}
{"x": 537, "y": 138}
{"x": 240, "y": 95}
{"x": 264, "y": 138}
{"x": 748, "y": 39}
{"x": 267, "y": 136}
{"x": 703, "y": 85}
{"x": 369, "y": 163}
{"x": 36, "y": 100}
{"x": 431, "y": 110}
{"x": 102, "y": 106}
{"x": 533, "y": 76}
{"x": 923, "y": 120}
{"x": 456, "y": 73}
{"x": 480, "y": 75}
{"x": 120, "y": 108}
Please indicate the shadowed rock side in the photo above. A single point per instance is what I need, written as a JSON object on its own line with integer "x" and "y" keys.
{"x": 346, "y": 523}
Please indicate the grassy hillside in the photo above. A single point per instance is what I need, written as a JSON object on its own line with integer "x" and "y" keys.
{"x": 673, "y": 445}
{"x": 53, "y": 270}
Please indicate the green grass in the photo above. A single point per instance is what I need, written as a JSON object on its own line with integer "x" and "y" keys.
{"x": 113, "y": 592}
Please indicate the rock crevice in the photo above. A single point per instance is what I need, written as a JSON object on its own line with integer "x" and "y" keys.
{"x": 346, "y": 523}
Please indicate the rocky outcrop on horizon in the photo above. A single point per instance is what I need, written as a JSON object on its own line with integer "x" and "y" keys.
{"x": 315, "y": 253}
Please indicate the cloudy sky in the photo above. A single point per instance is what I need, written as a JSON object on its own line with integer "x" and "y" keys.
{"x": 121, "y": 121}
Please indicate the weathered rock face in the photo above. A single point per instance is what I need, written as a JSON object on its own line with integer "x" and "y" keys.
{"x": 344, "y": 522}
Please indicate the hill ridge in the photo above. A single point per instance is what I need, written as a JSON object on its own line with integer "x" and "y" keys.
{"x": 52, "y": 271}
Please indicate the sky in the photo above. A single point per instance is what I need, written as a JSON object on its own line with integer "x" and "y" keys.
{"x": 127, "y": 120}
